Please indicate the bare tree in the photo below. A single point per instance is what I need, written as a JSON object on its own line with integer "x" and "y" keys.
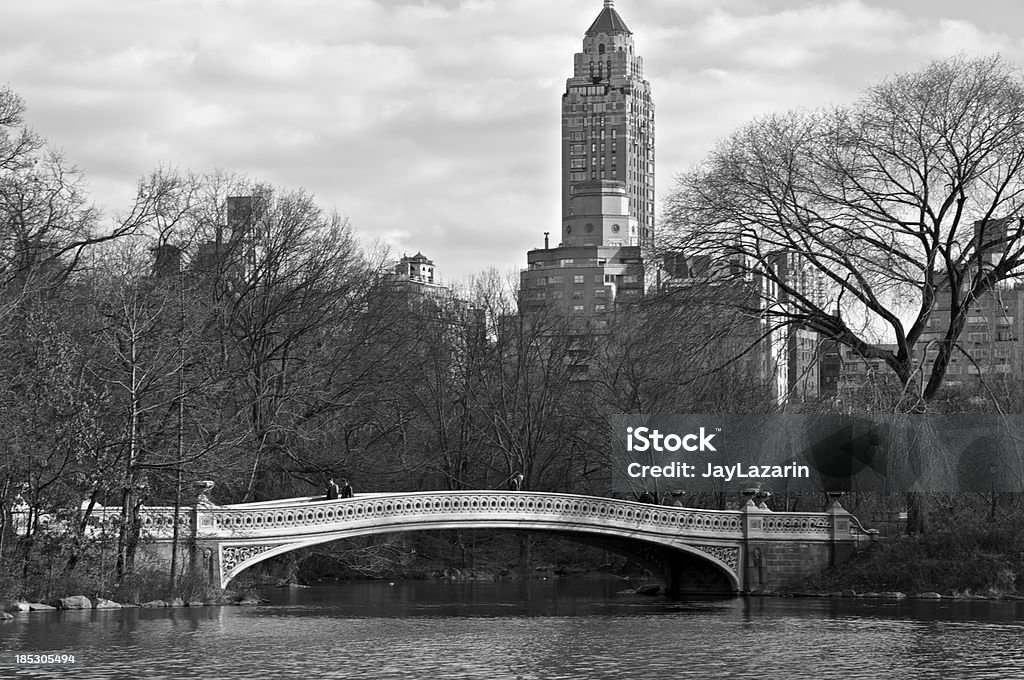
{"x": 47, "y": 222}
{"x": 538, "y": 408}
{"x": 853, "y": 221}
{"x": 286, "y": 281}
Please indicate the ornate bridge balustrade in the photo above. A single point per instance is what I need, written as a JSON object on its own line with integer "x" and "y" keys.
{"x": 743, "y": 549}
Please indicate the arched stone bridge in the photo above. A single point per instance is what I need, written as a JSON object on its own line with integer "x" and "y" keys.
{"x": 692, "y": 550}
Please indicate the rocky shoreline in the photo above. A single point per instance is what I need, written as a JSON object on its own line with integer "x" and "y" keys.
{"x": 81, "y": 602}
{"x": 891, "y": 595}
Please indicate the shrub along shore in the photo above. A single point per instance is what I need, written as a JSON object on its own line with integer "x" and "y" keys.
{"x": 972, "y": 562}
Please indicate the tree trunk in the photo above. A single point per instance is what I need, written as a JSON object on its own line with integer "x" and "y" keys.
{"x": 917, "y": 513}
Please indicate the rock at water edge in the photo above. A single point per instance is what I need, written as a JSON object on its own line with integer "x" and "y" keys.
{"x": 75, "y": 602}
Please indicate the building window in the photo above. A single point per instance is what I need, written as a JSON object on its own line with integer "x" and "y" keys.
{"x": 578, "y": 163}
{"x": 577, "y": 308}
{"x": 600, "y": 292}
{"x": 578, "y": 278}
{"x": 576, "y": 136}
{"x": 599, "y": 308}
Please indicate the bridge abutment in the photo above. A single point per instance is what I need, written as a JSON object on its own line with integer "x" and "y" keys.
{"x": 780, "y": 549}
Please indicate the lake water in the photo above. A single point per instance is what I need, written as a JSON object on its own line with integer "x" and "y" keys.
{"x": 539, "y": 629}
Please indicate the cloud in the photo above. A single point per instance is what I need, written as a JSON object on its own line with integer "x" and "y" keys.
{"x": 433, "y": 124}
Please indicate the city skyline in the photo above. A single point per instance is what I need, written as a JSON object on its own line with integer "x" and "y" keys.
{"x": 435, "y": 126}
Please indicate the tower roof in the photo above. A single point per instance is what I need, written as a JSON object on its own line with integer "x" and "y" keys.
{"x": 608, "y": 21}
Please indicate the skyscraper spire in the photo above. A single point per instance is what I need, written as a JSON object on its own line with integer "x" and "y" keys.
{"x": 608, "y": 21}
{"x": 608, "y": 129}
{"x": 607, "y": 182}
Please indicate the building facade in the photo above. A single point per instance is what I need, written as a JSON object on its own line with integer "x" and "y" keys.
{"x": 415, "y": 273}
{"x": 990, "y": 343}
{"x": 607, "y": 181}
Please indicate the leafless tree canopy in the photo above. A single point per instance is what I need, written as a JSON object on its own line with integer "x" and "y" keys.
{"x": 850, "y": 221}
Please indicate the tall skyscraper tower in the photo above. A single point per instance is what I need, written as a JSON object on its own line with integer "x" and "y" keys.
{"x": 607, "y": 181}
{"x": 608, "y": 128}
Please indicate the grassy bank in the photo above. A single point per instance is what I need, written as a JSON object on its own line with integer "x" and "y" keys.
{"x": 979, "y": 560}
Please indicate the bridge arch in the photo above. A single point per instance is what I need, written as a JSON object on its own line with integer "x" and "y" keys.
{"x": 657, "y": 536}
{"x": 659, "y": 555}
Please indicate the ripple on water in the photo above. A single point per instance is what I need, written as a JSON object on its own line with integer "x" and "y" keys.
{"x": 435, "y": 631}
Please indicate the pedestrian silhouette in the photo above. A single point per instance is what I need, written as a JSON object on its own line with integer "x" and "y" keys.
{"x": 346, "y": 490}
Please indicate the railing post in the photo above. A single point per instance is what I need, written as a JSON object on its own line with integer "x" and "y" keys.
{"x": 842, "y": 539}
{"x": 755, "y": 566}
{"x": 203, "y": 525}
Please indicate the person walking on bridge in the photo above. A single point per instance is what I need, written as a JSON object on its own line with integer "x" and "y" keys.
{"x": 346, "y": 489}
{"x": 332, "y": 489}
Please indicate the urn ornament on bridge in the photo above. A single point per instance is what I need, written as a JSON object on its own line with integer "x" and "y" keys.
{"x": 833, "y": 499}
{"x": 203, "y": 489}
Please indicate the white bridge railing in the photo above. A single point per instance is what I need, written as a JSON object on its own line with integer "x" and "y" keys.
{"x": 304, "y": 516}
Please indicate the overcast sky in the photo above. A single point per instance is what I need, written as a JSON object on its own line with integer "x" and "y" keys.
{"x": 434, "y": 124}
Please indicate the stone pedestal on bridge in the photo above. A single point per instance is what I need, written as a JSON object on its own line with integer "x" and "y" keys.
{"x": 198, "y": 553}
{"x": 203, "y": 547}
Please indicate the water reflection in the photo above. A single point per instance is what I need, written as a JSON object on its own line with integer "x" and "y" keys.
{"x": 557, "y": 629}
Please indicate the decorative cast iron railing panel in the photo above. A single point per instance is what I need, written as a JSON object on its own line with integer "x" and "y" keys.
{"x": 234, "y": 521}
{"x": 798, "y": 523}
